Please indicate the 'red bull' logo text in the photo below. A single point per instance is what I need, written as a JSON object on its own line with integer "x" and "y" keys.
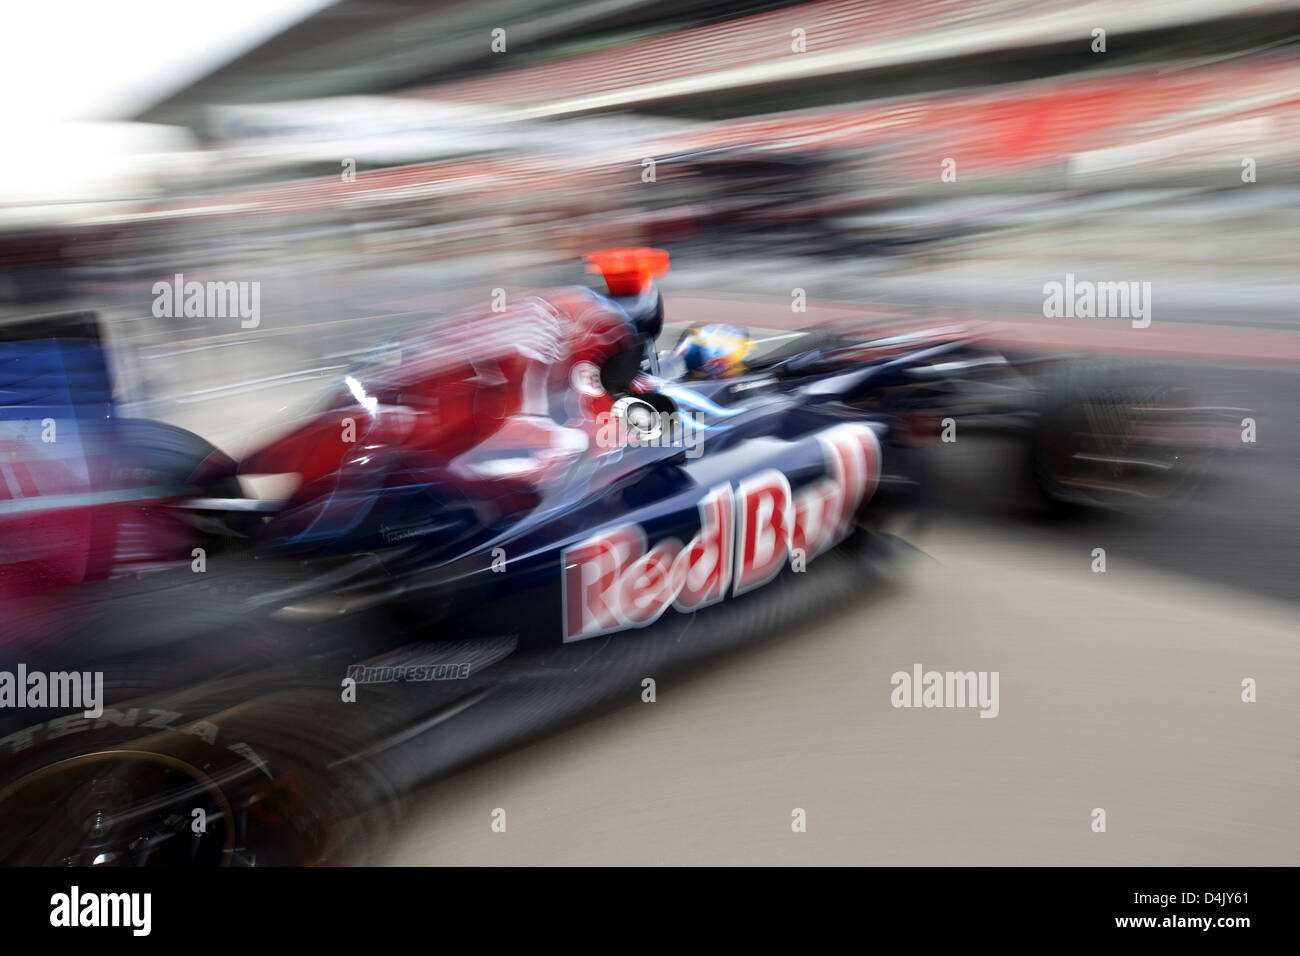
{"x": 612, "y": 581}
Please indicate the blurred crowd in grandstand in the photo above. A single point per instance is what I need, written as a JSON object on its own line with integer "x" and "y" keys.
{"x": 534, "y": 131}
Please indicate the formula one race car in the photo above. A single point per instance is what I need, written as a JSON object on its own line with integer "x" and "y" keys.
{"x": 512, "y": 519}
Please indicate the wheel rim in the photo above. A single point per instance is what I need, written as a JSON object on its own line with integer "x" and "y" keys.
{"x": 117, "y": 808}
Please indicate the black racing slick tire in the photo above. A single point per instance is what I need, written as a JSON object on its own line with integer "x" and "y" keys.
{"x": 1093, "y": 445}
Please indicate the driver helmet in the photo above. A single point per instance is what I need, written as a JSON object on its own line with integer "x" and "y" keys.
{"x": 714, "y": 351}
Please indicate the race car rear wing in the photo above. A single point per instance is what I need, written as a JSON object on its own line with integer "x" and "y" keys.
{"x": 55, "y": 365}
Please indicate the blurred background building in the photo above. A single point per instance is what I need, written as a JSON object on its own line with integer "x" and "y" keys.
{"x": 393, "y": 159}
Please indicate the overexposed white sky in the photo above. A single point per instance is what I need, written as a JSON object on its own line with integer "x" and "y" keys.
{"x": 107, "y": 59}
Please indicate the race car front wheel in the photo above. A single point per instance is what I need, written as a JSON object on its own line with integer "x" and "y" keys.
{"x": 1115, "y": 438}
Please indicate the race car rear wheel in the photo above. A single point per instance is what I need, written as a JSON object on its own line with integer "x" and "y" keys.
{"x": 172, "y": 799}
